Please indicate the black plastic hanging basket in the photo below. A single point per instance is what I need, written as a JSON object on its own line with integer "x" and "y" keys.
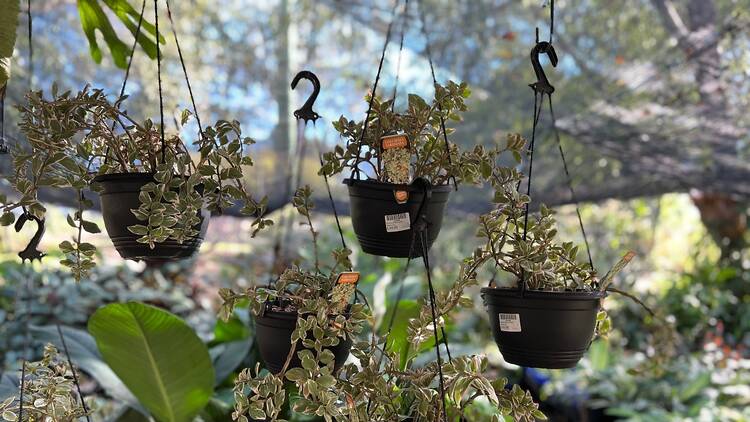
{"x": 274, "y": 336}
{"x": 541, "y": 329}
{"x": 385, "y": 227}
{"x": 118, "y": 197}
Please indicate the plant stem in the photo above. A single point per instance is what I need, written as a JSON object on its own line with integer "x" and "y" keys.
{"x": 288, "y": 359}
{"x": 633, "y": 298}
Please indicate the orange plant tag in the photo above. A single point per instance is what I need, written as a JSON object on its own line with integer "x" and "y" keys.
{"x": 348, "y": 278}
{"x": 394, "y": 141}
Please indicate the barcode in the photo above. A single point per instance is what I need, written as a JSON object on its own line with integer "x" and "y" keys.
{"x": 397, "y": 222}
{"x": 394, "y": 217}
{"x": 510, "y": 322}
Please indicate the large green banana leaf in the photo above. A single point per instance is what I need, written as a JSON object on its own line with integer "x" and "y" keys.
{"x": 158, "y": 357}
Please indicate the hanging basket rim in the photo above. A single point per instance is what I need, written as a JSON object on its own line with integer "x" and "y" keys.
{"x": 139, "y": 175}
{"x": 543, "y": 294}
{"x": 294, "y": 314}
{"x": 390, "y": 187}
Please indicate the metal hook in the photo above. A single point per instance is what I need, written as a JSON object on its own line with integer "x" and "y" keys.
{"x": 306, "y": 112}
{"x": 542, "y": 84}
{"x": 31, "y": 252}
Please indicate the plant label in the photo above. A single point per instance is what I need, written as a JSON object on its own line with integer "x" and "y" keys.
{"x": 510, "y": 323}
{"x": 345, "y": 288}
{"x": 397, "y": 222}
{"x": 395, "y": 158}
{"x": 394, "y": 141}
{"x": 349, "y": 277}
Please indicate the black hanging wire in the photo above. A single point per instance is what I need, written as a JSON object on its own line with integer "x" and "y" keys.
{"x": 184, "y": 69}
{"x": 420, "y": 12}
{"x": 537, "y": 113}
{"x": 529, "y": 153}
{"x": 132, "y": 50}
{"x": 301, "y": 151}
{"x": 541, "y": 88}
{"x": 26, "y": 340}
{"x": 404, "y": 16}
{"x": 569, "y": 180}
{"x": 30, "y": 28}
{"x": 282, "y": 231}
{"x": 433, "y": 309}
{"x": 419, "y": 221}
{"x": 303, "y": 115}
{"x": 374, "y": 90}
{"x": 158, "y": 76}
{"x": 330, "y": 196}
{"x": 420, "y": 227}
{"x": 72, "y": 370}
{"x": 26, "y": 294}
{"x": 3, "y": 147}
{"x": 551, "y": 20}
{"x": 130, "y": 63}
{"x": 420, "y": 224}
{"x": 399, "y": 296}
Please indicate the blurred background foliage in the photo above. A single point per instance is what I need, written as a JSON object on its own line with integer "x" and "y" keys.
{"x": 650, "y": 96}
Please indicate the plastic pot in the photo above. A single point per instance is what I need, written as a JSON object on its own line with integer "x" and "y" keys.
{"x": 118, "y": 196}
{"x": 383, "y": 226}
{"x": 542, "y": 329}
{"x": 274, "y": 336}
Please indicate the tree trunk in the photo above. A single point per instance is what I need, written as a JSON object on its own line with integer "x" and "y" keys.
{"x": 723, "y": 216}
{"x": 283, "y": 136}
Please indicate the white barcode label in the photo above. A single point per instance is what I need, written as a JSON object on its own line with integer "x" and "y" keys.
{"x": 510, "y": 323}
{"x": 397, "y": 222}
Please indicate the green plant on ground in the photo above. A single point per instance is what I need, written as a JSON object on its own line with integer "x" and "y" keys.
{"x": 421, "y": 122}
{"x": 159, "y": 357}
{"x": 148, "y": 363}
{"x": 707, "y": 385}
{"x": 74, "y": 138}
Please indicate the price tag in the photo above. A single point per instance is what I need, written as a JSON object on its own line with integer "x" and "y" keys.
{"x": 394, "y": 141}
{"x": 397, "y": 222}
{"x": 510, "y": 323}
{"x": 348, "y": 278}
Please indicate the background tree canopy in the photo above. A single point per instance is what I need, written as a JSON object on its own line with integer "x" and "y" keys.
{"x": 650, "y": 95}
{"x": 651, "y": 98}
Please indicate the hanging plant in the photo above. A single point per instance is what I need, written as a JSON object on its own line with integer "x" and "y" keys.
{"x": 48, "y": 392}
{"x": 409, "y": 163}
{"x": 385, "y": 383}
{"x": 155, "y": 196}
{"x": 399, "y": 147}
{"x": 304, "y": 312}
{"x": 549, "y": 317}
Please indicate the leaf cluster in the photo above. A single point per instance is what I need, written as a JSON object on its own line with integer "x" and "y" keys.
{"x": 75, "y": 137}
{"x": 49, "y": 392}
{"x": 383, "y": 384}
{"x": 422, "y": 122}
{"x": 525, "y": 245}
